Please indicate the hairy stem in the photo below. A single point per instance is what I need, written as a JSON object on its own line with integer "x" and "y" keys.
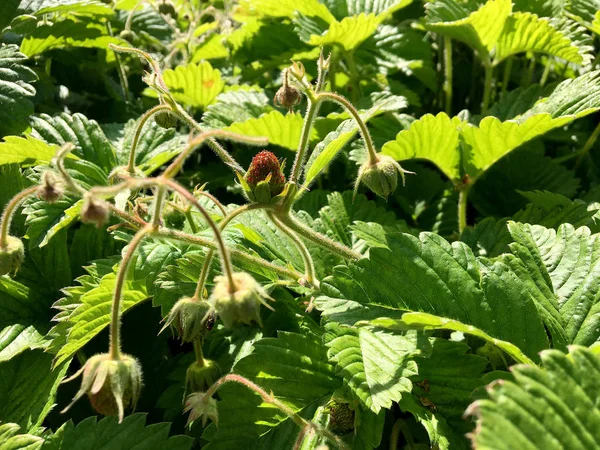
{"x": 138, "y": 132}
{"x": 448, "y": 72}
{"x": 198, "y": 351}
{"x": 507, "y": 72}
{"x": 309, "y": 265}
{"x": 159, "y": 198}
{"x": 463, "y": 196}
{"x": 9, "y": 212}
{"x": 312, "y": 109}
{"x": 401, "y": 427}
{"x": 318, "y": 238}
{"x": 270, "y": 398}
{"x": 487, "y": 88}
{"x": 115, "y": 322}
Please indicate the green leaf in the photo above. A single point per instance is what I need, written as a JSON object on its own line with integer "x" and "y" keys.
{"x": 28, "y": 388}
{"x": 195, "y": 85}
{"x": 24, "y": 320}
{"x": 553, "y": 407}
{"x": 564, "y": 265}
{"x": 92, "y": 314}
{"x": 10, "y": 440}
{"x": 375, "y": 365}
{"x": 27, "y": 151}
{"x": 79, "y": 7}
{"x": 349, "y": 33}
{"x": 480, "y": 29}
{"x": 431, "y": 322}
{"x": 282, "y": 130}
{"x": 434, "y": 138}
{"x": 8, "y": 9}
{"x": 428, "y": 274}
{"x": 66, "y": 33}
{"x": 286, "y": 8}
{"x": 526, "y": 32}
{"x": 293, "y": 367}
{"x": 327, "y": 150}
{"x": 236, "y": 106}
{"x": 45, "y": 220}
{"x": 133, "y": 433}
{"x": 15, "y": 87}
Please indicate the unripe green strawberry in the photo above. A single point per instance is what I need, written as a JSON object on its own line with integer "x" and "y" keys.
{"x": 199, "y": 377}
{"x": 112, "y": 385}
{"x": 341, "y": 420}
{"x": 165, "y": 119}
{"x": 381, "y": 177}
{"x": 11, "y": 255}
{"x": 264, "y": 180}
{"x": 240, "y": 304}
{"x": 192, "y": 318}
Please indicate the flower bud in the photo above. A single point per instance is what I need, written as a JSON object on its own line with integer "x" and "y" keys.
{"x": 165, "y": 119}
{"x": 51, "y": 188}
{"x": 94, "y": 210}
{"x": 11, "y": 255}
{"x": 381, "y": 177}
{"x": 201, "y": 406}
{"x": 127, "y": 35}
{"x": 192, "y": 318}
{"x": 240, "y": 303}
{"x": 199, "y": 377}
{"x": 167, "y": 8}
{"x": 264, "y": 182}
{"x": 287, "y": 96}
{"x": 112, "y": 385}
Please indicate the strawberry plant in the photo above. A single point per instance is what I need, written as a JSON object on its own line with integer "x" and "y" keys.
{"x": 309, "y": 224}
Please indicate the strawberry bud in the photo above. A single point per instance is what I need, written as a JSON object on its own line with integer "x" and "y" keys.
{"x": 165, "y": 119}
{"x": 200, "y": 377}
{"x": 287, "y": 96}
{"x": 192, "y": 318}
{"x": 94, "y": 211}
{"x": 127, "y": 35}
{"x": 240, "y": 303}
{"x": 264, "y": 181}
{"x": 201, "y": 406}
{"x": 11, "y": 255}
{"x": 341, "y": 419}
{"x": 381, "y": 177}
{"x": 50, "y": 188}
{"x": 112, "y": 385}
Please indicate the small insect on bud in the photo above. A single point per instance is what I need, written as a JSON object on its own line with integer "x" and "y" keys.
{"x": 264, "y": 182}
{"x": 200, "y": 376}
{"x": 287, "y": 96}
{"x": 201, "y": 406}
{"x": 112, "y": 385}
{"x": 165, "y": 119}
{"x": 51, "y": 188}
{"x": 127, "y": 35}
{"x": 381, "y": 177}
{"x": 94, "y": 210}
{"x": 11, "y": 255}
{"x": 192, "y": 318}
{"x": 341, "y": 418}
{"x": 239, "y": 303}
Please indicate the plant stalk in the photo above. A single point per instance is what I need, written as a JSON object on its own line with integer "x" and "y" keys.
{"x": 9, "y": 212}
{"x": 449, "y": 75}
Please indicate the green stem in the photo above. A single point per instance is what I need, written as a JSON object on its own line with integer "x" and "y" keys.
{"x": 9, "y": 212}
{"x": 225, "y": 259}
{"x": 197, "y": 142}
{"x": 401, "y": 427}
{"x": 325, "y": 242}
{"x": 507, "y": 72}
{"x": 448, "y": 68}
{"x": 309, "y": 265}
{"x": 138, "y": 133}
{"x": 190, "y": 219}
{"x": 270, "y": 399}
{"x": 209, "y": 255}
{"x": 364, "y": 131}
{"x": 59, "y": 162}
{"x": 159, "y": 198}
{"x": 354, "y": 78}
{"x": 529, "y": 76}
{"x": 115, "y": 322}
{"x": 487, "y": 89}
{"x": 546, "y": 73}
{"x": 198, "y": 351}
{"x": 312, "y": 109}
{"x": 588, "y": 146}
{"x": 463, "y": 196}
{"x": 213, "y": 144}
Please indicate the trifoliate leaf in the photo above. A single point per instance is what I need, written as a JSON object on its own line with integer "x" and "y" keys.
{"x": 434, "y": 138}
{"x": 349, "y": 33}
{"x": 282, "y": 130}
{"x": 15, "y": 89}
{"x": 195, "y": 85}
{"x": 375, "y": 365}
{"x": 552, "y": 407}
{"x": 28, "y": 388}
{"x": 236, "y": 106}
